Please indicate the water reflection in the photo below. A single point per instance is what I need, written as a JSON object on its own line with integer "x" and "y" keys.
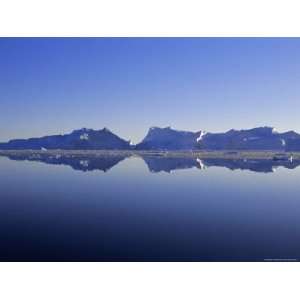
{"x": 155, "y": 163}
{"x": 256, "y": 165}
{"x": 77, "y": 162}
{"x": 205, "y": 213}
{"x": 168, "y": 164}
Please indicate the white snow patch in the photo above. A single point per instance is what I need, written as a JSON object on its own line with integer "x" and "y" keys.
{"x": 200, "y": 137}
{"x": 84, "y": 163}
{"x": 283, "y": 143}
{"x": 274, "y": 130}
{"x": 84, "y": 136}
{"x": 201, "y": 164}
{"x": 43, "y": 149}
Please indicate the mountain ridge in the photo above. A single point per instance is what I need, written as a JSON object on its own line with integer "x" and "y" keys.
{"x": 164, "y": 138}
{"x": 78, "y": 139}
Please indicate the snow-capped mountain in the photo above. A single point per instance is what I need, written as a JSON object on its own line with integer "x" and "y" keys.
{"x": 169, "y": 139}
{"x": 260, "y": 138}
{"x": 78, "y": 139}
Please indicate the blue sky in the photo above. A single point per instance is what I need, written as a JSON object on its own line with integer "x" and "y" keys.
{"x": 50, "y": 86}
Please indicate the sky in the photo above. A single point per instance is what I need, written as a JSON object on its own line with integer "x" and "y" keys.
{"x": 55, "y": 85}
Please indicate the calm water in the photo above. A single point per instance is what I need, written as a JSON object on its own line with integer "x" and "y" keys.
{"x": 151, "y": 209}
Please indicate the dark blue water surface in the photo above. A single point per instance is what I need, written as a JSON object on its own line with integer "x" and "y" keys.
{"x": 156, "y": 209}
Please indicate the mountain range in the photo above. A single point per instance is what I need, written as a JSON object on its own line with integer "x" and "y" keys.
{"x": 260, "y": 138}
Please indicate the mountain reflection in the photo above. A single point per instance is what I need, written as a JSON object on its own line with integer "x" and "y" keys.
{"x": 155, "y": 163}
{"x": 77, "y": 162}
{"x": 256, "y": 165}
{"x": 168, "y": 164}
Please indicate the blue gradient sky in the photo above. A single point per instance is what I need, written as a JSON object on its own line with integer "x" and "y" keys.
{"x": 50, "y": 86}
